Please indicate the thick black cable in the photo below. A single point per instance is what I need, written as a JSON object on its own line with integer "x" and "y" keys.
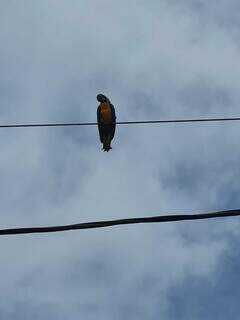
{"x": 70, "y": 124}
{"x": 110, "y": 223}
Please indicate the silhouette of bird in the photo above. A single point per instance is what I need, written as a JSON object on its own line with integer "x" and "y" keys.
{"x": 106, "y": 119}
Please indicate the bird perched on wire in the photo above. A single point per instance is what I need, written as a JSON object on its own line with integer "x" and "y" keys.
{"x": 106, "y": 119}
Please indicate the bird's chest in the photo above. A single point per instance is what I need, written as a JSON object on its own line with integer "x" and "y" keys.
{"x": 106, "y": 113}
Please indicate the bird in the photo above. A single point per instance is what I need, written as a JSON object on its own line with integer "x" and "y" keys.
{"x": 106, "y": 119}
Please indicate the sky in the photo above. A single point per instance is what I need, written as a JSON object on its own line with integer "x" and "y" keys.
{"x": 154, "y": 60}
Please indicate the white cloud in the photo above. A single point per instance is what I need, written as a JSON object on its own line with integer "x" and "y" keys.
{"x": 155, "y": 61}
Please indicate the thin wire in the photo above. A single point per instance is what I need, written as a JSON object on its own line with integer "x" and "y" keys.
{"x": 69, "y": 124}
{"x": 110, "y": 223}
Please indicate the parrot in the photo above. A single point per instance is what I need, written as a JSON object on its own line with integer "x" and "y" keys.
{"x": 106, "y": 119}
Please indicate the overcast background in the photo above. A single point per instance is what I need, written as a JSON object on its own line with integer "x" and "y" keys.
{"x": 155, "y": 60}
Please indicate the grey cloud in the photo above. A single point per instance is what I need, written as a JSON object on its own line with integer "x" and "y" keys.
{"x": 155, "y": 61}
{"x": 212, "y": 298}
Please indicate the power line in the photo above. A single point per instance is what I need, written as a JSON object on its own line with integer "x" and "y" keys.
{"x": 70, "y": 124}
{"x": 110, "y": 223}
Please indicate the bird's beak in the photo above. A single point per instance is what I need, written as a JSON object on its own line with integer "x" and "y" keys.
{"x": 101, "y": 98}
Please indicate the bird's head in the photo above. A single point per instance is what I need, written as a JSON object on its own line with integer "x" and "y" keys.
{"x": 102, "y": 98}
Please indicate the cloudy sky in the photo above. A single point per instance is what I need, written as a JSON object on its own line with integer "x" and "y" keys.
{"x": 155, "y": 60}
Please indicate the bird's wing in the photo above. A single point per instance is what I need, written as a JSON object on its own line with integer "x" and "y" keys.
{"x": 113, "y": 112}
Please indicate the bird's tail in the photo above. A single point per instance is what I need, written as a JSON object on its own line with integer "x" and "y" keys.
{"x": 107, "y": 144}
